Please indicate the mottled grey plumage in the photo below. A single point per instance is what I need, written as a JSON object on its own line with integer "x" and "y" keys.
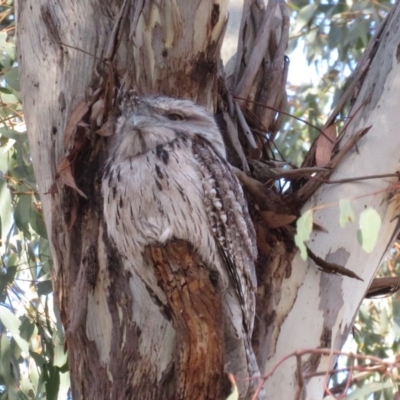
{"x": 167, "y": 177}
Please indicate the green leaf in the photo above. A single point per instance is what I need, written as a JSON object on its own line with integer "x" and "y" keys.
{"x": 11, "y": 134}
{"x": 304, "y": 229}
{"x": 5, "y": 360}
{"x": 37, "y": 223}
{"x": 7, "y": 48}
{"x": 52, "y": 383}
{"x": 12, "y": 323}
{"x": 7, "y": 276}
{"x": 12, "y": 78}
{"x": 346, "y": 212}
{"x": 22, "y": 213}
{"x": 305, "y": 15}
{"x": 22, "y": 172}
{"x": 33, "y": 373}
{"x": 39, "y": 358}
{"x": 370, "y": 224}
{"x": 5, "y": 90}
{"x": 366, "y": 389}
{"x": 335, "y": 36}
{"x": 44, "y": 287}
{"x": 27, "y": 328}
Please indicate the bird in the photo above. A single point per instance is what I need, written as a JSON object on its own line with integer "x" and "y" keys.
{"x": 167, "y": 177}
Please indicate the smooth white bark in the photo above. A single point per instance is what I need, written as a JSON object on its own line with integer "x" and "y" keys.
{"x": 316, "y": 309}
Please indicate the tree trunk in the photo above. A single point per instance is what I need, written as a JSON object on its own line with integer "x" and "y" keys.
{"x": 75, "y": 60}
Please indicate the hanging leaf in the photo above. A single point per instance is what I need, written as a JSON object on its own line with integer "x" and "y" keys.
{"x": 77, "y": 114}
{"x": 37, "y": 222}
{"x": 12, "y": 323}
{"x": 12, "y": 78}
{"x": 64, "y": 172}
{"x": 367, "y": 389}
{"x": 275, "y": 220}
{"x": 325, "y": 145}
{"x": 7, "y": 276}
{"x": 22, "y": 213}
{"x": 52, "y": 383}
{"x": 6, "y": 374}
{"x": 11, "y": 134}
{"x": 305, "y": 15}
{"x": 44, "y": 287}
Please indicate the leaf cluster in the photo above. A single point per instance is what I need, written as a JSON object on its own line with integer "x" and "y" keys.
{"x": 330, "y": 35}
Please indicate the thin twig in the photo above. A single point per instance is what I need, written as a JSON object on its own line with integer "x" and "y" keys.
{"x": 355, "y": 179}
{"x": 287, "y": 114}
{"x": 246, "y": 129}
{"x": 234, "y": 138}
{"x": 325, "y": 352}
{"x": 312, "y": 185}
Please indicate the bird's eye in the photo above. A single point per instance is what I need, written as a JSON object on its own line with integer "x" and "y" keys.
{"x": 174, "y": 117}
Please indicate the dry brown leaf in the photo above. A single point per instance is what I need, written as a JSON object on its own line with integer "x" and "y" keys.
{"x": 64, "y": 173}
{"x": 330, "y": 267}
{"x": 325, "y": 144}
{"x": 274, "y": 220}
{"x": 79, "y": 111}
{"x": 262, "y": 234}
{"x": 97, "y": 112}
{"x": 318, "y": 227}
{"x": 53, "y": 189}
{"x": 108, "y": 127}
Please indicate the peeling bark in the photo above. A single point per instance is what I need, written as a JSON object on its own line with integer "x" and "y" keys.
{"x": 196, "y": 319}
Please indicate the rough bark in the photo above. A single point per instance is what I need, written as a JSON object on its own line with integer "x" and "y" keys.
{"x": 196, "y": 318}
{"x": 77, "y": 59}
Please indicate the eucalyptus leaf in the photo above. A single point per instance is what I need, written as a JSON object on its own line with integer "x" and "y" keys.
{"x": 12, "y": 78}
{"x": 12, "y": 323}
{"x": 37, "y": 223}
{"x": 11, "y": 134}
{"x": 305, "y": 15}
{"x": 6, "y": 278}
{"x": 5, "y": 361}
{"x": 22, "y": 213}
{"x": 44, "y": 287}
{"x": 53, "y": 383}
{"x": 367, "y": 389}
{"x": 27, "y": 328}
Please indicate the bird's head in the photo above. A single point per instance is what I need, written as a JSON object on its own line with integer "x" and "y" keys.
{"x": 148, "y": 122}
